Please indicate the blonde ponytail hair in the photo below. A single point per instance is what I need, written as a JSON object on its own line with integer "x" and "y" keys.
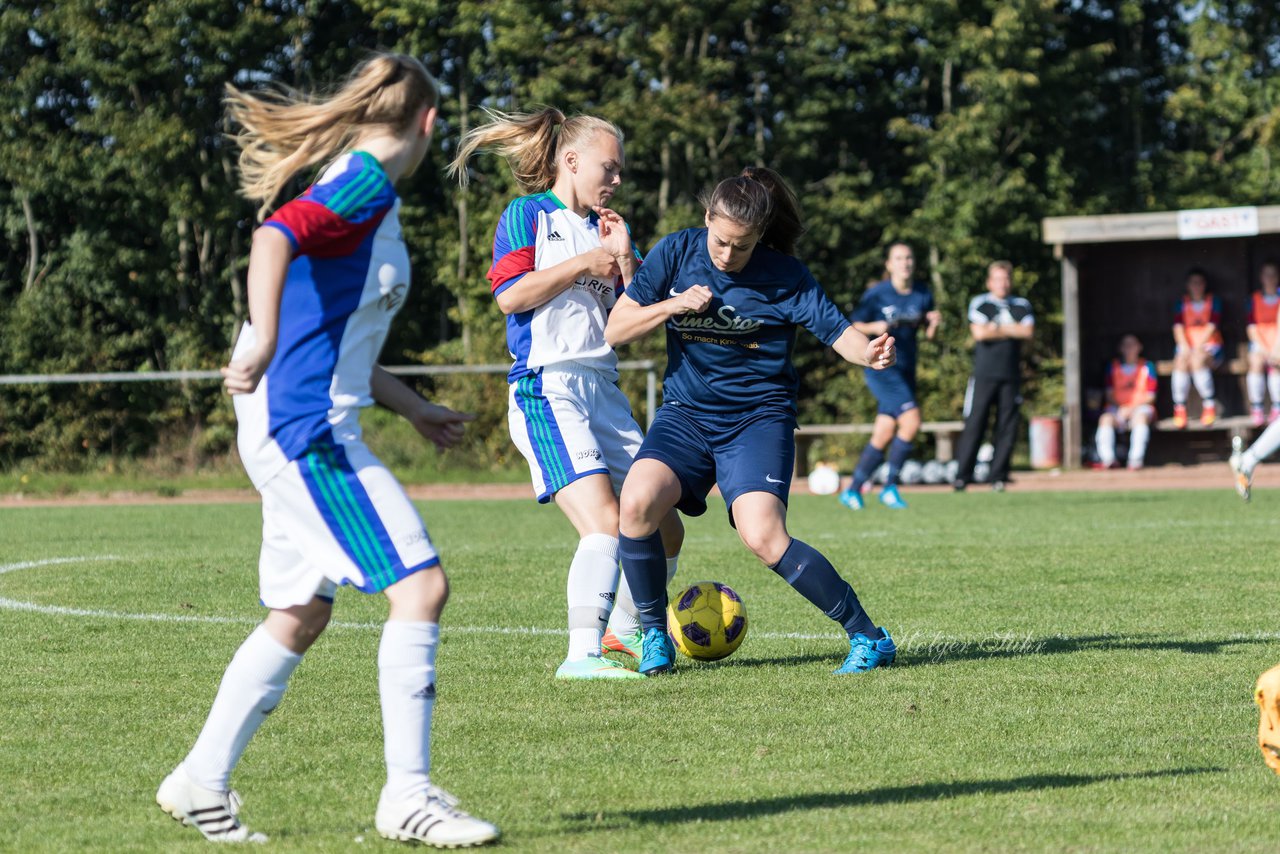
{"x": 283, "y": 132}
{"x": 531, "y": 143}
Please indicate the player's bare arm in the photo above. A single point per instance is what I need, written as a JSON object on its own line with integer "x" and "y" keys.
{"x": 985, "y": 331}
{"x": 268, "y": 263}
{"x": 616, "y": 240}
{"x": 540, "y": 286}
{"x": 933, "y": 319}
{"x": 1021, "y": 331}
{"x": 1179, "y": 335}
{"x": 630, "y": 321}
{"x": 443, "y": 426}
{"x": 856, "y": 348}
{"x": 871, "y": 328}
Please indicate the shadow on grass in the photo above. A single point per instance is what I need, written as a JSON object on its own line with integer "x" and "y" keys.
{"x": 921, "y": 649}
{"x": 733, "y": 810}
{"x": 917, "y": 649}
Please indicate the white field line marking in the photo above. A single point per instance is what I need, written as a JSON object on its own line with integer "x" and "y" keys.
{"x": 908, "y": 640}
{"x": 7, "y": 604}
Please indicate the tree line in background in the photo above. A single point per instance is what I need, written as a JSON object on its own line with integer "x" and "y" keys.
{"x": 955, "y": 125}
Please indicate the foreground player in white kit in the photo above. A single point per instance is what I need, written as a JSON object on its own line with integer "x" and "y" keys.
{"x": 327, "y": 273}
{"x": 560, "y": 260}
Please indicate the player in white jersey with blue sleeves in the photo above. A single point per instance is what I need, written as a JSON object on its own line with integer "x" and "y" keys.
{"x": 560, "y": 260}
{"x": 327, "y": 273}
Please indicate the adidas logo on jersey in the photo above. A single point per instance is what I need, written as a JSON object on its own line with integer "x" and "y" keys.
{"x": 555, "y": 235}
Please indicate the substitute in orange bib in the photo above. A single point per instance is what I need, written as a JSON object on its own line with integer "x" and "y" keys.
{"x": 1131, "y": 395}
{"x": 1199, "y": 348}
{"x": 1264, "y": 356}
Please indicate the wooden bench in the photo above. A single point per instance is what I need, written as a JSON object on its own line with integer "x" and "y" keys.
{"x": 946, "y": 432}
{"x": 1236, "y": 425}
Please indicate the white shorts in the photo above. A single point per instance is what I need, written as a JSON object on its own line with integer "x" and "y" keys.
{"x": 1124, "y": 423}
{"x": 569, "y": 422}
{"x": 336, "y": 516}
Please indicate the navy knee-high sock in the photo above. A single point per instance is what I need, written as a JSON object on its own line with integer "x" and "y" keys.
{"x": 645, "y": 564}
{"x": 899, "y": 450}
{"x": 870, "y": 460}
{"x": 813, "y": 577}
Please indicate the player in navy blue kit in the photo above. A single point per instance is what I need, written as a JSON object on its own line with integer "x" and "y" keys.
{"x": 731, "y": 296}
{"x": 899, "y": 306}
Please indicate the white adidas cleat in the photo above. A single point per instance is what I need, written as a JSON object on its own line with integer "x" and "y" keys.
{"x": 214, "y": 814}
{"x": 433, "y": 818}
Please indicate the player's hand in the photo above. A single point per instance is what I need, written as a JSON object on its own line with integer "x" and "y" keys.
{"x": 934, "y": 320}
{"x": 599, "y": 263}
{"x": 242, "y": 375}
{"x": 614, "y": 237}
{"x": 1274, "y": 357}
{"x": 881, "y": 353}
{"x": 443, "y": 426}
{"x": 692, "y": 300}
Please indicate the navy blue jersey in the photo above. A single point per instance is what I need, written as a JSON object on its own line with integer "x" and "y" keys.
{"x": 905, "y": 313}
{"x": 736, "y": 355}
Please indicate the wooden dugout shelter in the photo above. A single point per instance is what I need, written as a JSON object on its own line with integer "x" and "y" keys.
{"x": 1125, "y": 272}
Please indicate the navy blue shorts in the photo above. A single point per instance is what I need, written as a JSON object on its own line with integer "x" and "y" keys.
{"x": 742, "y": 452}
{"x": 894, "y": 390}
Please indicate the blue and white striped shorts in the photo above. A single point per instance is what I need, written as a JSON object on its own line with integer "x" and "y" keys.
{"x": 336, "y": 516}
{"x": 569, "y": 422}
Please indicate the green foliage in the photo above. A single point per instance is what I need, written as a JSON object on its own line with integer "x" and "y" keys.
{"x": 953, "y": 125}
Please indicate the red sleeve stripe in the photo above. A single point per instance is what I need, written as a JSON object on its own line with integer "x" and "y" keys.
{"x": 515, "y": 263}
{"x": 320, "y": 232}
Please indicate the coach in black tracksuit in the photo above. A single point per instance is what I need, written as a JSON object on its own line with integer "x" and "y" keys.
{"x": 999, "y": 323}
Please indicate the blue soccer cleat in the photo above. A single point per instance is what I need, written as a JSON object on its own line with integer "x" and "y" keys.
{"x": 890, "y": 498}
{"x": 852, "y": 499}
{"x": 659, "y": 653}
{"x": 866, "y": 654}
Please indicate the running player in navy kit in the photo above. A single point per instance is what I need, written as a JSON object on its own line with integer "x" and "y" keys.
{"x": 731, "y": 296}
{"x": 898, "y": 306}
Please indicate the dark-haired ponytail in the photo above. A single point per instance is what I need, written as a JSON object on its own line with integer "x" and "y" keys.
{"x": 761, "y": 200}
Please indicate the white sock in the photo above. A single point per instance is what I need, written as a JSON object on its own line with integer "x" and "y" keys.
{"x": 1257, "y": 386}
{"x": 1105, "y": 443}
{"x": 407, "y": 688}
{"x": 1273, "y": 385}
{"x": 1264, "y": 447}
{"x": 251, "y": 688}
{"x": 625, "y": 619}
{"x": 1204, "y": 384}
{"x": 1138, "y": 438}
{"x": 593, "y": 584}
{"x": 1179, "y": 385}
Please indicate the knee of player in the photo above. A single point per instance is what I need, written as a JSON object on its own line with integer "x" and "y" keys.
{"x": 635, "y": 507}
{"x": 768, "y": 545}
{"x": 1106, "y": 420}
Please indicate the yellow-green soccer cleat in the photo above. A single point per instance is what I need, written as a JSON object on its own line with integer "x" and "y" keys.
{"x": 595, "y": 667}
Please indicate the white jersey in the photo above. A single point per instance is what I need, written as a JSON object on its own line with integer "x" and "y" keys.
{"x": 348, "y": 277}
{"x": 535, "y": 233}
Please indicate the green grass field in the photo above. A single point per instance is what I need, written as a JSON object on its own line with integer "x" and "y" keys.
{"x": 1075, "y": 674}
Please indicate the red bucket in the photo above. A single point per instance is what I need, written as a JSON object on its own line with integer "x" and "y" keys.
{"x": 1046, "y": 443}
